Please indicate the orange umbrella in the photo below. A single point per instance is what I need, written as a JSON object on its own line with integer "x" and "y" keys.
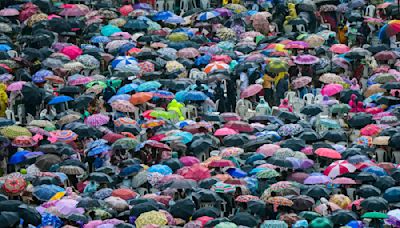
{"x": 140, "y": 98}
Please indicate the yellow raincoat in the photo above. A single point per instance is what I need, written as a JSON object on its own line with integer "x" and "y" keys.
{"x": 3, "y": 100}
{"x": 174, "y": 105}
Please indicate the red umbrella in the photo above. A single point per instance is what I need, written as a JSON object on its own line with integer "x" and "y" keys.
{"x": 225, "y": 131}
{"x": 72, "y": 51}
{"x": 370, "y": 130}
{"x": 246, "y": 198}
{"x": 221, "y": 58}
{"x": 328, "y": 153}
{"x": 385, "y": 55}
{"x": 125, "y": 10}
{"x": 239, "y": 126}
{"x": 339, "y": 168}
{"x": 251, "y": 91}
{"x": 339, "y": 48}
{"x": 195, "y": 172}
{"x": 221, "y": 163}
{"x": 124, "y": 193}
{"x": 14, "y": 186}
{"x": 156, "y": 144}
{"x": 111, "y": 137}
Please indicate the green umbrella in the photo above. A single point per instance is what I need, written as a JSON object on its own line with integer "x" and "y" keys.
{"x": 14, "y": 130}
{"x": 161, "y": 115}
{"x": 226, "y": 225}
{"x": 267, "y": 174}
{"x": 93, "y": 83}
{"x": 108, "y": 30}
{"x": 125, "y": 143}
{"x": 309, "y": 215}
{"x": 178, "y": 36}
{"x": 321, "y": 223}
{"x": 277, "y": 66}
{"x": 340, "y": 108}
{"x": 259, "y": 38}
{"x": 375, "y": 215}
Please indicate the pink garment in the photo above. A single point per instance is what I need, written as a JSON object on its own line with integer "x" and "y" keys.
{"x": 285, "y": 105}
{"x": 353, "y": 103}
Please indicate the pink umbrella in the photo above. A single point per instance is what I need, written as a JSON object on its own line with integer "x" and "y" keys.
{"x": 370, "y": 130}
{"x": 74, "y": 10}
{"x": 225, "y": 131}
{"x": 15, "y": 86}
{"x": 239, "y": 126}
{"x": 251, "y": 91}
{"x": 68, "y": 206}
{"x": 298, "y": 177}
{"x": 331, "y": 89}
{"x": 189, "y": 160}
{"x": 306, "y": 59}
{"x": 97, "y": 120}
{"x": 296, "y": 45}
{"x": 268, "y": 149}
{"x": 230, "y": 116}
{"x": 72, "y": 51}
{"x": 80, "y": 81}
{"x": 9, "y": 12}
{"x": 221, "y": 58}
{"x": 124, "y": 35}
{"x": 339, "y": 48}
{"x": 343, "y": 180}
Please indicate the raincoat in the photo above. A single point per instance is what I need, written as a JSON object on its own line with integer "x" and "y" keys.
{"x": 3, "y": 100}
{"x": 263, "y": 105}
{"x": 174, "y": 105}
{"x": 91, "y": 187}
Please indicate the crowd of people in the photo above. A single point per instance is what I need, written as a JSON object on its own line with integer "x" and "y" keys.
{"x": 199, "y": 114}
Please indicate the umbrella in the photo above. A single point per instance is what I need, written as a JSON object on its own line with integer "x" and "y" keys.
{"x": 390, "y": 194}
{"x": 366, "y": 191}
{"x": 97, "y": 120}
{"x": 251, "y": 91}
{"x": 339, "y": 168}
{"x": 140, "y": 98}
{"x": 100, "y": 177}
{"x": 14, "y": 186}
{"x": 374, "y": 203}
{"x": 311, "y": 110}
{"x": 244, "y": 219}
{"x": 306, "y": 59}
{"x": 360, "y": 120}
{"x": 342, "y": 217}
{"x": 301, "y": 82}
{"x": 60, "y": 99}
{"x": 9, "y": 219}
{"x": 182, "y": 209}
{"x": 151, "y": 217}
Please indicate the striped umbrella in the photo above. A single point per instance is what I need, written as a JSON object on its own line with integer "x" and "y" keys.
{"x": 14, "y": 186}
{"x": 338, "y": 168}
{"x": 221, "y": 187}
{"x": 64, "y": 135}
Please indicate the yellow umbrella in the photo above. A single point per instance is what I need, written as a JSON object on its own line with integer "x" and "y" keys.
{"x": 151, "y": 217}
{"x": 340, "y": 200}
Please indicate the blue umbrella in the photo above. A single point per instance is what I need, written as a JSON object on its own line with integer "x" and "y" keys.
{"x": 123, "y": 62}
{"x": 207, "y": 15}
{"x": 124, "y": 97}
{"x": 183, "y": 96}
{"x": 163, "y": 94}
{"x": 95, "y": 143}
{"x": 144, "y": 6}
{"x": 125, "y": 48}
{"x": 127, "y": 88}
{"x": 127, "y": 171}
{"x": 108, "y": 30}
{"x": 100, "y": 39}
{"x": 392, "y": 194}
{"x": 376, "y": 170}
{"x": 357, "y": 159}
{"x": 99, "y": 150}
{"x": 255, "y": 157}
{"x": 186, "y": 136}
{"x": 162, "y": 169}
{"x": 45, "y": 192}
{"x": 175, "y": 19}
{"x": 4, "y": 47}
{"x": 148, "y": 86}
{"x": 237, "y": 173}
{"x": 60, "y": 99}
{"x": 256, "y": 170}
{"x": 203, "y": 60}
{"x": 18, "y": 157}
{"x": 39, "y": 77}
{"x": 163, "y": 15}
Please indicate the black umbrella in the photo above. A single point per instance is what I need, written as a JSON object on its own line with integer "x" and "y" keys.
{"x": 187, "y": 63}
{"x": 311, "y": 110}
{"x": 280, "y": 162}
{"x": 147, "y": 55}
{"x": 378, "y": 48}
{"x": 134, "y": 129}
{"x": 384, "y": 183}
{"x": 215, "y": 222}
{"x": 10, "y": 205}
{"x": 100, "y": 177}
{"x": 257, "y": 207}
{"x": 207, "y": 183}
{"x": 245, "y": 219}
{"x": 70, "y": 90}
{"x": 351, "y": 152}
{"x": 183, "y": 209}
{"x": 309, "y": 135}
{"x": 302, "y": 202}
{"x": 206, "y": 195}
{"x": 342, "y": 217}
{"x": 297, "y": 21}
{"x": 46, "y": 161}
{"x": 83, "y": 130}
{"x": 245, "y": 48}
{"x": 394, "y": 141}
{"x": 77, "y": 218}
{"x": 32, "y": 94}
{"x": 9, "y": 219}
{"x": 30, "y": 215}
{"x": 318, "y": 145}
{"x": 288, "y": 117}
{"x": 73, "y": 162}
{"x": 388, "y": 100}
{"x": 374, "y": 204}
{"x": 236, "y": 140}
{"x": 57, "y": 148}
{"x": 135, "y": 25}
{"x": 396, "y": 175}
{"x": 360, "y": 120}
{"x": 83, "y": 101}
{"x": 173, "y": 163}
{"x": 3, "y": 197}
{"x": 254, "y": 144}
{"x": 199, "y": 39}
{"x": 389, "y": 131}
{"x": 149, "y": 38}
{"x": 391, "y": 85}
{"x": 46, "y": 180}
{"x": 316, "y": 192}
{"x": 366, "y": 177}
{"x": 88, "y": 203}
{"x": 182, "y": 184}
{"x": 200, "y": 145}
{"x": 207, "y": 211}
{"x": 124, "y": 225}
{"x": 367, "y": 190}
{"x": 295, "y": 144}
{"x": 144, "y": 207}
{"x": 345, "y": 95}
{"x": 335, "y": 136}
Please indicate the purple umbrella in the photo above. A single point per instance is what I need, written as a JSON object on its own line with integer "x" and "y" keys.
{"x": 317, "y": 179}
{"x": 306, "y": 163}
{"x": 306, "y": 59}
{"x": 144, "y": 6}
{"x": 357, "y": 159}
{"x": 224, "y": 12}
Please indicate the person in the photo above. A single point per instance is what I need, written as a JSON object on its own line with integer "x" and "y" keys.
{"x": 285, "y": 105}
{"x": 219, "y": 94}
{"x": 268, "y": 90}
{"x": 281, "y": 85}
